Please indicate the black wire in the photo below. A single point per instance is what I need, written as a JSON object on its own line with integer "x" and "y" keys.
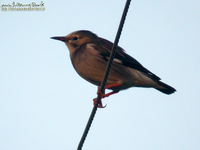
{"x": 102, "y": 86}
{"x": 87, "y": 128}
{"x": 112, "y": 55}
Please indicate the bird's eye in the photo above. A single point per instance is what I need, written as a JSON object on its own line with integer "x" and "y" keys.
{"x": 75, "y": 38}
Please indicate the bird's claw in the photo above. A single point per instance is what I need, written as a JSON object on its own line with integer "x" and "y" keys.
{"x": 101, "y": 94}
{"x": 99, "y": 105}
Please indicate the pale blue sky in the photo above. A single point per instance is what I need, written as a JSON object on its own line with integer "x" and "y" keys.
{"x": 45, "y": 105}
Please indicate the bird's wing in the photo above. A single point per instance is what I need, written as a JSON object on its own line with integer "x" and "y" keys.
{"x": 104, "y": 47}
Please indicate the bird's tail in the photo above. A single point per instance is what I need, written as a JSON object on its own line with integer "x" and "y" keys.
{"x": 164, "y": 88}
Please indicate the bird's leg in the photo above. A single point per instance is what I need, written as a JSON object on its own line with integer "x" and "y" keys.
{"x": 111, "y": 93}
{"x": 112, "y": 85}
{"x": 103, "y": 95}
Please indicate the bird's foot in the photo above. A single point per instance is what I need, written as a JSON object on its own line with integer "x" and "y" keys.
{"x": 103, "y": 95}
{"x": 99, "y": 105}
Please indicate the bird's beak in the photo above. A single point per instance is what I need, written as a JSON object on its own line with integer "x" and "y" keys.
{"x": 60, "y": 38}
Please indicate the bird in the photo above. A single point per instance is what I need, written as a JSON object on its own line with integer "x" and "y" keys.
{"x": 89, "y": 55}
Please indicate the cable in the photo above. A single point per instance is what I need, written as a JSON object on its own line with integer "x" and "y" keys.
{"x": 102, "y": 86}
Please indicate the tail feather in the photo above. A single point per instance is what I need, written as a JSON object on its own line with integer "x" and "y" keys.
{"x": 164, "y": 88}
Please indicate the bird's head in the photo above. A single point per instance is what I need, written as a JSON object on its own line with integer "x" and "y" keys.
{"x": 76, "y": 39}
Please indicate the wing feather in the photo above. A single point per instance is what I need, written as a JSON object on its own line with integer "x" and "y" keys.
{"x": 104, "y": 47}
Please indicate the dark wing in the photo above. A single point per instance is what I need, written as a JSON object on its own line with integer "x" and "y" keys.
{"x": 105, "y": 47}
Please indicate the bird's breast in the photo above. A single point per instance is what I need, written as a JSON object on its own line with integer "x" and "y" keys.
{"x": 91, "y": 66}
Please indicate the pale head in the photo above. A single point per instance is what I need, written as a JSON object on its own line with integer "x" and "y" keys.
{"x": 76, "y": 39}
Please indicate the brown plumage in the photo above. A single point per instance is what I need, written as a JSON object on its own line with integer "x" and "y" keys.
{"x": 89, "y": 55}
